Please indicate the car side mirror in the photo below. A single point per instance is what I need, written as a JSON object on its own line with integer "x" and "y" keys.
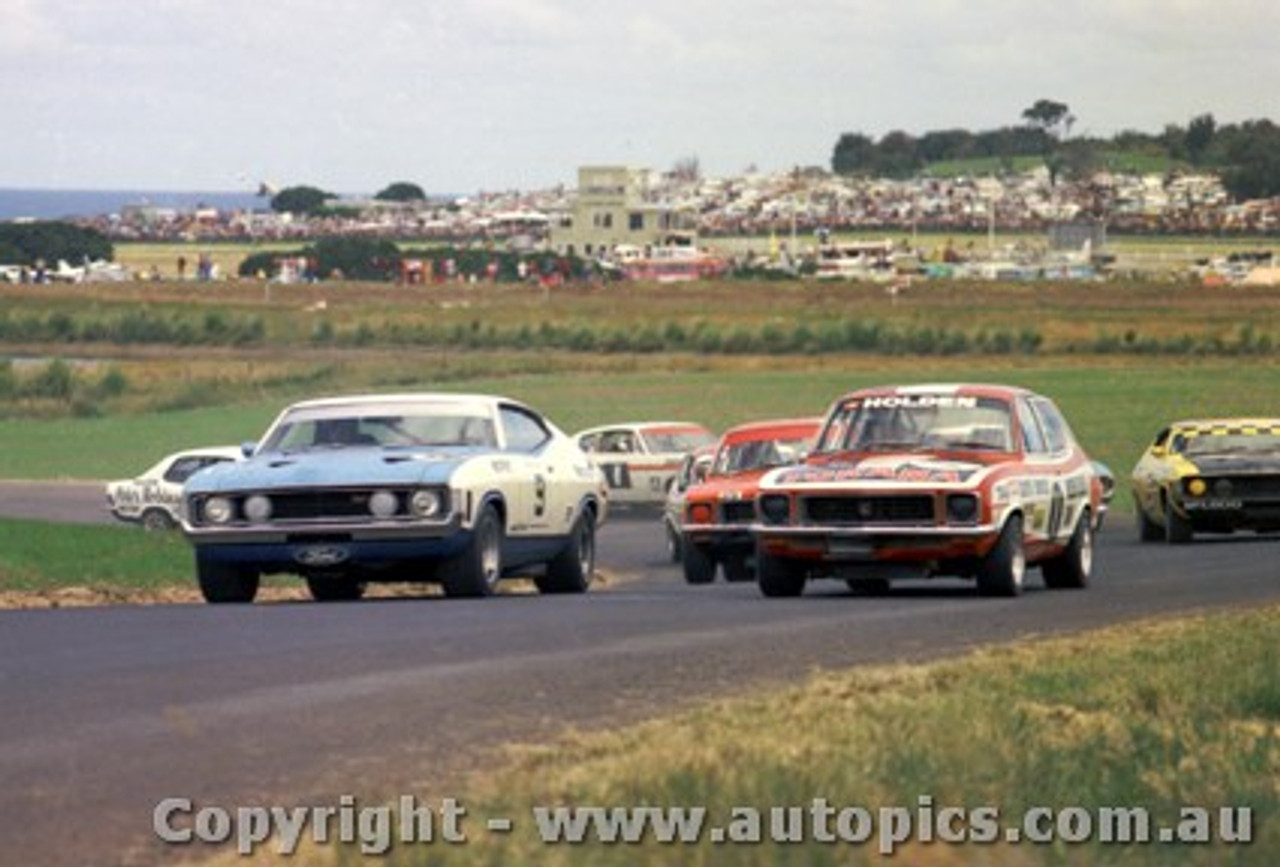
{"x": 1158, "y": 451}
{"x": 248, "y": 447}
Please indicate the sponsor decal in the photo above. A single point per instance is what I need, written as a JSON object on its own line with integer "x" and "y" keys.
{"x": 875, "y": 470}
{"x": 1217, "y": 503}
{"x": 917, "y": 401}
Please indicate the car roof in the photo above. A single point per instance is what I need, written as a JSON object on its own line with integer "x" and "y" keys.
{"x": 1238, "y": 425}
{"x": 407, "y": 397}
{"x": 644, "y": 425}
{"x": 974, "y": 389}
{"x": 756, "y": 428}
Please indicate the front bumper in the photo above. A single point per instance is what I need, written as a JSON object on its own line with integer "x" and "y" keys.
{"x": 876, "y": 544}
{"x": 1224, "y": 515}
{"x": 314, "y": 546}
{"x": 311, "y": 553}
{"x": 720, "y": 538}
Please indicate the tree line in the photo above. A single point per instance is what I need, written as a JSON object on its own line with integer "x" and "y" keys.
{"x": 1245, "y": 155}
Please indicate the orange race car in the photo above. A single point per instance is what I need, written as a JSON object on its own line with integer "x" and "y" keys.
{"x": 719, "y": 511}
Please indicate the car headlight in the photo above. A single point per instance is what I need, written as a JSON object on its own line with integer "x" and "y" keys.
{"x": 384, "y": 504}
{"x": 962, "y": 508}
{"x": 1222, "y": 488}
{"x": 775, "y": 508}
{"x": 1195, "y": 487}
{"x": 257, "y": 509}
{"x": 427, "y": 503}
{"x": 218, "y": 510}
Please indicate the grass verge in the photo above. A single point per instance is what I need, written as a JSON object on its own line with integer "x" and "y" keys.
{"x": 1132, "y": 729}
{"x": 35, "y": 555}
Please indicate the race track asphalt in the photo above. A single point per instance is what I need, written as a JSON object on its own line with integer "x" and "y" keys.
{"x": 107, "y": 711}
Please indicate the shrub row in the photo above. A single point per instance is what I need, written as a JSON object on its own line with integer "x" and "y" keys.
{"x": 57, "y": 381}
{"x": 212, "y": 328}
{"x": 854, "y": 335}
{"x": 217, "y": 328}
{"x": 1245, "y": 341}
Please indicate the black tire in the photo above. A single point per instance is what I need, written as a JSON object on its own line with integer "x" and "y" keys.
{"x": 1072, "y": 569}
{"x": 572, "y": 569}
{"x": 478, "y": 569}
{"x": 157, "y": 521}
{"x": 334, "y": 588}
{"x": 1177, "y": 529}
{"x": 1004, "y": 569}
{"x": 1148, "y": 530}
{"x": 699, "y": 566}
{"x": 779, "y": 578}
{"x": 738, "y": 568}
{"x": 226, "y": 583}
{"x": 675, "y": 543}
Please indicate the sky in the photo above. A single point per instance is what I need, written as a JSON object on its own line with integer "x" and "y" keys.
{"x": 465, "y": 96}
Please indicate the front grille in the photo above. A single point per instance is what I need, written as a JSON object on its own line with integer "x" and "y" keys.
{"x": 312, "y": 505}
{"x": 1248, "y": 487}
{"x": 914, "y": 509}
{"x": 741, "y": 512}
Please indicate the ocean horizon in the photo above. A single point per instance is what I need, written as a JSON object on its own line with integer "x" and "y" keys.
{"x": 56, "y": 204}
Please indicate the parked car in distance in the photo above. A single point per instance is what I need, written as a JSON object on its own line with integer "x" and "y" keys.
{"x": 459, "y": 490}
{"x": 1209, "y": 476}
{"x": 693, "y": 469}
{"x": 154, "y": 498}
{"x": 975, "y": 481}
{"x": 719, "y": 510}
{"x": 640, "y": 459}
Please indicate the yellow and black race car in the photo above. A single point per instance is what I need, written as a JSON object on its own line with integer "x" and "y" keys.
{"x": 1209, "y": 476}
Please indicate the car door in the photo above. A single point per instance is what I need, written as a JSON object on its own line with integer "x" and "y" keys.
{"x": 1067, "y": 471}
{"x": 536, "y": 491}
{"x": 1035, "y": 484}
{"x": 614, "y": 452}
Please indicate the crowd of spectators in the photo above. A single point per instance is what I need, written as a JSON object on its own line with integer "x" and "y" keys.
{"x": 750, "y": 205}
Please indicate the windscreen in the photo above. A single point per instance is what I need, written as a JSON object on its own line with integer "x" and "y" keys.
{"x": 918, "y": 422}
{"x": 676, "y": 439}
{"x": 386, "y": 425}
{"x": 1227, "y": 443}
{"x": 759, "y": 454}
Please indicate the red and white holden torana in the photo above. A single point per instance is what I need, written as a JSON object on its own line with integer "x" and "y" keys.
{"x": 976, "y": 481}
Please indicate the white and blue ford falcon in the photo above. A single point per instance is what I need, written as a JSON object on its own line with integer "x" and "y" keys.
{"x": 459, "y": 490}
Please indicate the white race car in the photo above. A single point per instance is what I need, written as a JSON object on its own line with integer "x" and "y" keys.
{"x": 154, "y": 498}
{"x": 453, "y": 489}
{"x": 640, "y": 460}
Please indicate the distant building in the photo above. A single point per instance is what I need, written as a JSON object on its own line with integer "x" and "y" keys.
{"x": 615, "y": 205}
